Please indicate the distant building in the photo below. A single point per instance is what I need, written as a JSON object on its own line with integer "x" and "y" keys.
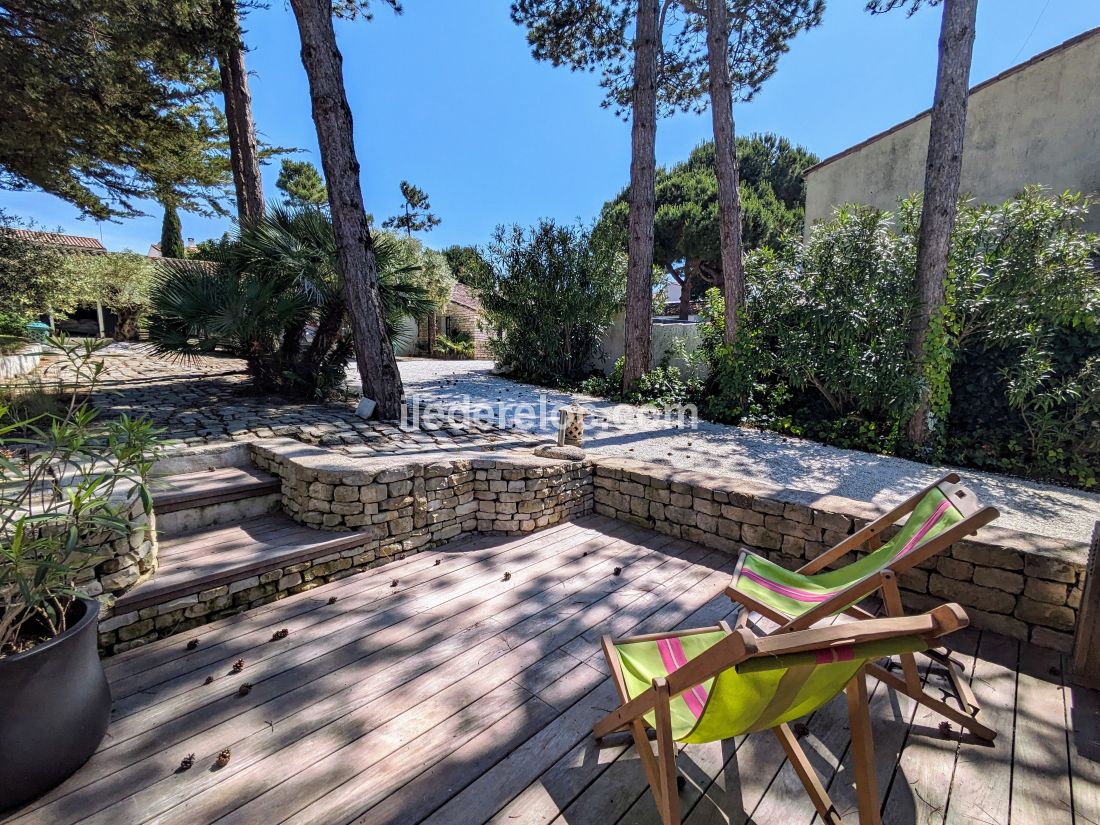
{"x": 88, "y": 321}
{"x": 154, "y": 249}
{"x": 68, "y": 244}
{"x": 462, "y": 314}
{"x": 1038, "y": 122}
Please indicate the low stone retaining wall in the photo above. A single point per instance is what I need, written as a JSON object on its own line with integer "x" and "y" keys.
{"x": 123, "y": 561}
{"x": 389, "y": 507}
{"x": 409, "y": 503}
{"x": 119, "y": 633}
{"x": 20, "y": 363}
{"x": 1021, "y": 585}
{"x": 1025, "y": 586}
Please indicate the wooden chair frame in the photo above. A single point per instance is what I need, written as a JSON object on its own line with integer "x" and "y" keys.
{"x": 738, "y": 646}
{"x": 869, "y": 538}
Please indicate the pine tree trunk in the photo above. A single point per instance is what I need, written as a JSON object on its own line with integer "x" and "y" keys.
{"x": 332, "y": 117}
{"x": 643, "y": 175}
{"x": 685, "y": 290}
{"x": 725, "y": 165}
{"x": 942, "y": 173}
{"x": 243, "y": 152}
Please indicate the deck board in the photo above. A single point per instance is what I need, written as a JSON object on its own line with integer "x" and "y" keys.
{"x": 181, "y": 492}
{"x": 297, "y": 693}
{"x": 1040, "y": 757}
{"x": 980, "y": 790}
{"x": 1084, "y": 755}
{"x": 464, "y": 696}
{"x": 922, "y": 782}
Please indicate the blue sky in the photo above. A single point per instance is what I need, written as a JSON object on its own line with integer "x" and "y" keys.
{"x": 448, "y": 97}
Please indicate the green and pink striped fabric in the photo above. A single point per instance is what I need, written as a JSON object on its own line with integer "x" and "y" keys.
{"x": 793, "y": 594}
{"x": 758, "y": 694}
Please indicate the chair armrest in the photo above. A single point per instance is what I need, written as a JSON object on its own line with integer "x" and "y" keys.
{"x": 940, "y": 621}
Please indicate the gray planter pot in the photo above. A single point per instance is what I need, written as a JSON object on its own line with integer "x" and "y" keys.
{"x": 54, "y": 708}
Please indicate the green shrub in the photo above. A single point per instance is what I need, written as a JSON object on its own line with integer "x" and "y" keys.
{"x": 15, "y": 323}
{"x": 663, "y": 386}
{"x": 34, "y": 279}
{"x": 1025, "y": 387}
{"x": 822, "y": 347}
{"x": 550, "y": 293}
{"x": 459, "y": 344}
{"x": 69, "y": 481}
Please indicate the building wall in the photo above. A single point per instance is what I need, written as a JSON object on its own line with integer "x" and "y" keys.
{"x": 461, "y": 318}
{"x": 466, "y": 319}
{"x": 1035, "y": 123}
{"x": 664, "y": 332}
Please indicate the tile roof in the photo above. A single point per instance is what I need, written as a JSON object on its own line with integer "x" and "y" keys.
{"x": 464, "y": 296}
{"x": 67, "y": 243}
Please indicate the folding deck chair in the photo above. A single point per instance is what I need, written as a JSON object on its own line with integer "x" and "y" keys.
{"x": 938, "y": 516}
{"x": 715, "y": 683}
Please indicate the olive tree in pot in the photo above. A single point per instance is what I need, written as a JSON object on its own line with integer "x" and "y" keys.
{"x": 69, "y": 484}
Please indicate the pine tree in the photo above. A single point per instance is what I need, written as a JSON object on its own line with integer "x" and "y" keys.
{"x": 244, "y": 153}
{"x": 416, "y": 215}
{"x": 740, "y": 56}
{"x": 355, "y": 247}
{"x": 302, "y": 184}
{"x": 123, "y": 90}
{"x": 942, "y": 174}
{"x": 590, "y": 34}
{"x": 171, "y": 234}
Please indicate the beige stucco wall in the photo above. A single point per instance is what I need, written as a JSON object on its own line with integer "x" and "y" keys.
{"x": 1039, "y": 124}
{"x": 664, "y": 333}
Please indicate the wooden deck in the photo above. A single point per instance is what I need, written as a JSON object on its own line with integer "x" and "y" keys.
{"x": 459, "y": 686}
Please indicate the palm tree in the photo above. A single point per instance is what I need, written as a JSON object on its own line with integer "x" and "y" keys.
{"x": 276, "y": 299}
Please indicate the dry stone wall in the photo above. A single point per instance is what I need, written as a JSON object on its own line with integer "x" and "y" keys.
{"x": 1022, "y": 585}
{"x": 119, "y": 632}
{"x": 394, "y": 506}
{"x": 1025, "y": 586}
{"x": 407, "y": 503}
{"x": 122, "y": 562}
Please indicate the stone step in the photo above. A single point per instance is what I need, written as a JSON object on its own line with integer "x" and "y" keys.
{"x": 225, "y": 569}
{"x": 192, "y": 501}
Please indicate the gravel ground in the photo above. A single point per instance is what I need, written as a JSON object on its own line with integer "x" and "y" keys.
{"x": 753, "y": 454}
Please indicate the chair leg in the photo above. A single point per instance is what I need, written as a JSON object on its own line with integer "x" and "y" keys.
{"x": 637, "y": 728}
{"x": 806, "y": 773}
{"x": 963, "y": 720}
{"x": 891, "y": 597}
{"x": 863, "y": 751}
{"x": 668, "y": 802}
{"x": 911, "y": 684}
{"x": 963, "y": 691}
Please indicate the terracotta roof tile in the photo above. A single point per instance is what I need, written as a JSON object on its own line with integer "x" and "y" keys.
{"x": 464, "y": 296}
{"x": 68, "y": 243}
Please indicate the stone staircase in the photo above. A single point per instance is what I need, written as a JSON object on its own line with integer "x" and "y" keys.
{"x": 224, "y": 546}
